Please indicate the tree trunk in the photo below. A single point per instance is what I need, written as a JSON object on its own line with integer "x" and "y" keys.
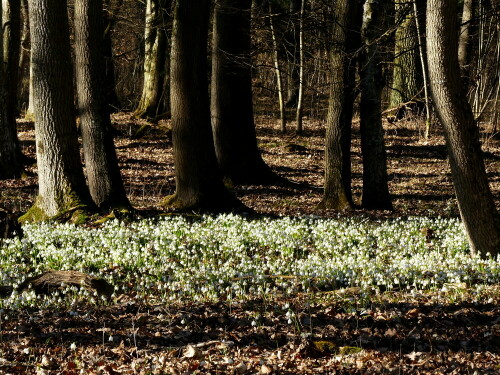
{"x": 474, "y": 197}
{"x": 277, "y": 69}
{"x": 464, "y": 44}
{"x": 103, "y": 173}
{"x": 10, "y": 153}
{"x": 152, "y": 102}
{"x": 109, "y": 21}
{"x": 407, "y": 73}
{"x": 24, "y": 59}
{"x": 293, "y": 54}
{"x": 375, "y": 186}
{"x": 337, "y": 192}
{"x": 231, "y": 96}
{"x": 199, "y": 183}
{"x": 62, "y": 187}
{"x": 12, "y": 40}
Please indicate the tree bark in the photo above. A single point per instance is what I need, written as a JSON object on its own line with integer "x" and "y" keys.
{"x": 109, "y": 21}
{"x": 375, "y": 180}
{"x": 466, "y": 30}
{"x": 103, "y": 173}
{"x": 293, "y": 54}
{"x": 199, "y": 183}
{"x": 10, "y": 153}
{"x": 152, "y": 102}
{"x": 474, "y": 197}
{"x": 337, "y": 193}
{"x": 62, "y": 187}
{"x": 407, "y": 73}
{"x": 231, "y": 96}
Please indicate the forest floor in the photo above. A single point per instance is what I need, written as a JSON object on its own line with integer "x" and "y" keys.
{"x": 345, "y": 331}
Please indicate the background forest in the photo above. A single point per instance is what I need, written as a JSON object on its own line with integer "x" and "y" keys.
{"x": 238, "y": 186}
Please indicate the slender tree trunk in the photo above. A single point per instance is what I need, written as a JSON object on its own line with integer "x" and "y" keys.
{"x": 474, "y": 197}
{"x": 375, "y": 180}
{"x": 337, "y": 191}
{"x": 199, "y": 183}
{"x": 12, "y": 40}
{"x": 419, "y": 11}
{"x": 103, "y": 173}
{"x": 10, "y": 153}
{"x": 300, "y": 98}
{"x": 109, "y": 21}
{"x": 292, "y": 48}
{"x": 62, "y": 187}
{"x": 231, "y": 96}
{"x": 155, "y": 54}
{"x": 466, "y": 31}
{"x": 277, "y": 69}
{"x": 24, "y": 58}
{"x": 407, "y": 74}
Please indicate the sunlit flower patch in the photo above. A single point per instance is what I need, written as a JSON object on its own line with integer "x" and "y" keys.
{"x": 231, "y": 257}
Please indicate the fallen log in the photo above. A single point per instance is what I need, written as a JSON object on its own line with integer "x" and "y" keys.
{"x": 51, "y": 281}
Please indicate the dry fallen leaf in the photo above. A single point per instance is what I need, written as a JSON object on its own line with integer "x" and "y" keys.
{"x": 264, "y": 370}
{"x": 192, "y": 352}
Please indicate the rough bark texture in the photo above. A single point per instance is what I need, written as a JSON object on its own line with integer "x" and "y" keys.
{"x": 474, "y": 197}
{"x": 152, "y": 102}
{"x": 62, "y": 185}
{"x": 407, "y": 73}
{"x": 199, "y": 183}
{"x": 12, "y": 39}
{"x": 375, "y": 187}
{"x": 231, "y": 100}
{"x": 103, "y": 174}
{"x": 337, "y": 192}
{"x": 10, "y": 153}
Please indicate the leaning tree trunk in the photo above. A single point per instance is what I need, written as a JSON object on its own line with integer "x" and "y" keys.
{"x": 407, "y": 73}
{"x": 152, "y": 102}
{"x": 231, "y": 100}
{"x": 198, "y": 180}
{"x": 10, "y": 154}
{"x": 375, "y": 180}
{"x": 337, "y": 193}
{"x": 103, "y": 173}
{"x": 475, "y": 201}
{"x": 62, "y": 187}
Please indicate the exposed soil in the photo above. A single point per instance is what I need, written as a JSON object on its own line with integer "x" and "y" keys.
{"x": 419, "y": 174}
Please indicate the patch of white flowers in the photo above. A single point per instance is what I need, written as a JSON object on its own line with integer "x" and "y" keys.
{"x": 233, "y": 257}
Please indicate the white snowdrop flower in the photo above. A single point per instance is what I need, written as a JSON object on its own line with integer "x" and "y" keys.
{"x": 26, "y": 351}
{"x": 110, "y": 339}
{"x": 73, "y": 346}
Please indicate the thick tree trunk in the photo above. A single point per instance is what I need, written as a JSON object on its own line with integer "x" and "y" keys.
{"x": 474, "y": 197}
{"x": 375, "y": 185}
{"x": 199, "y": 183}
{"x": 407, "y": 73}
{"x": 231, "y": 100}
{"x": 24, "y": 59}
{"x": 103, "y": 173}
{"x": 62, "y": 187}
{"x": 337, "y": 191}
{"x": 152, "y": 102}
{"x": 10, "y": 154}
